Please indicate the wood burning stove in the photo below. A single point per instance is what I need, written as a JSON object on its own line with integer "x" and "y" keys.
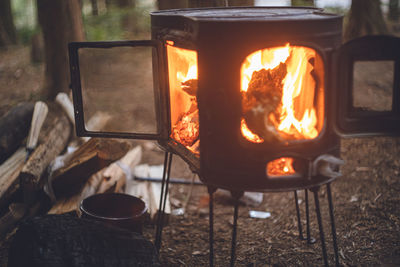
{"x": 255, "y": 99}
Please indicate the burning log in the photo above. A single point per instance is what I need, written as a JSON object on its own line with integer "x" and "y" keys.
{"x": 85, "y": 161}
{"x": 186, "y": 131}
{"x": 14, "y": 127}
{"x": 30, "y": 176}
{"x": 63, "y": 240}
{"x": 190, "y": 87}
{"x": 262, "y": 101}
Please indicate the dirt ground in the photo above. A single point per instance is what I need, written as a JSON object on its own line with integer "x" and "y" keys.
{"x": 366, "y": 199}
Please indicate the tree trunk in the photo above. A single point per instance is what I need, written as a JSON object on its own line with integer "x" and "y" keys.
{"x": 61, "y": 23}
{"x": 206, "y": 3}
{"x": 365, "y": 18}
{"x": 241, "y": 2}
{"x": 394, "y": 10}
{"x": 126, "y": 3}
{"x": 171, "y": 4}
{"x": 7, "y": 29}
{"x": 95, "y": 8}
{"x": 302, "y": 3}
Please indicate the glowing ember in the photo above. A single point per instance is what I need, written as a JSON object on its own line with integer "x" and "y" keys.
{"x": 281, "y": 166}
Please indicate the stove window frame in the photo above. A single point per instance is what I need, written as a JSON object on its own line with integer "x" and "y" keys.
{"x": 73, "y": 49}
{"x": 355, "y": 122}
{"x": 286, "y": 149}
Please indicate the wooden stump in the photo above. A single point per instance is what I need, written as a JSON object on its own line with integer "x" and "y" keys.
{"x": 64, "y": 240}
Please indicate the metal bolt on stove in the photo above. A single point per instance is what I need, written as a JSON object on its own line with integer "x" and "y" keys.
{"x": 255, "y": 99}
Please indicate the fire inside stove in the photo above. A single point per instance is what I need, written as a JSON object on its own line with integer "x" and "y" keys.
{"x": 182, "y": 69}
{"x": 282, "y": 98}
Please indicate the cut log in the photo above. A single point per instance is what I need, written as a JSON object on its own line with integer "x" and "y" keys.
{"x": 115, "y": 176}
{"x": 9, "y": 172}
{"x": 39, "y": 115}
{"x": 63, "y": 100}
{"x": 63, "y": 240}
{"x": 68, "y": 204}
{"x": 14, "y": 127}
{"x": 53, "y": 145}
{"x": 84, "y": 162}
{"x": 16, "y": 212}
{"x": 109, "y": 179}
{"x": 149, "y": 192}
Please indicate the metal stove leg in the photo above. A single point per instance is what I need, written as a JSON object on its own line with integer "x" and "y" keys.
{"x": 296, "y": 199}
{"x": 321, "y": 229}
{"x": 211, "y": 191}
{"x": 163, "y": 197}
{"x": 310, "y": 239}
{"x": 236, "y": 196}
{"x": 332, "y": 216}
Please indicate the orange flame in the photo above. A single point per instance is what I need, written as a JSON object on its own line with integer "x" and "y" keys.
{"x": 298, "y": 118}
{"x": 182, "y": 70}
{"x": 248, "y": 134}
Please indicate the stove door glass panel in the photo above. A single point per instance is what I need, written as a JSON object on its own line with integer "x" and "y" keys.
{"x": 113, "y": 90}
{"x": 373, "y": 85}
{"x": 282, "y": 95}
{"x": 367, "y": 87}
{"x": 182, "y": 76}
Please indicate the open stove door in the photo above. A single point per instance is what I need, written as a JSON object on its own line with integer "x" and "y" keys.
{"x": 367, "y": 96}
{"x": 114, "y": 80}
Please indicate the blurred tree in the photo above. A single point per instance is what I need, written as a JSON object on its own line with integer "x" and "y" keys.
{"x": 365, "y": 18}
{"x": 7, "y": 28}
{"x": 394, "y": 10}
{"x": 302, "y": 2}
{"x": 171, "y": 4}
{"x": 241, "y": 2}
{"x": 95, "y": 8}
{"x": 61, "y": 23}
{"x": 126, "y": 3}
{"x": 204, "y": 3}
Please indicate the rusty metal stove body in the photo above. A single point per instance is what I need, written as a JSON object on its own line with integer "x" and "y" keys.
{"x": 204, "y": 62}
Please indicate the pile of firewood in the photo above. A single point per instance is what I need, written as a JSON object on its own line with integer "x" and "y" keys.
{"x": 52, "y": 170}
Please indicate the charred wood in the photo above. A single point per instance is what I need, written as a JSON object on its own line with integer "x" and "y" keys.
{"x": 262, "y": 101}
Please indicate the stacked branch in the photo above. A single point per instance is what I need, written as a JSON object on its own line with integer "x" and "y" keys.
{"x": 109, "y": 179}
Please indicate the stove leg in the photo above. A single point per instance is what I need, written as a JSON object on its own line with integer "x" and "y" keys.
{"x": 321, "y": 229}
{"x": 296, "y": 199}
{"x": 332, "y": 216}
{"x": 236, "y": 196}
{"x": 211, "y": 191}
{"x": 310, "y": 239}
{"x": 163, "y": 198}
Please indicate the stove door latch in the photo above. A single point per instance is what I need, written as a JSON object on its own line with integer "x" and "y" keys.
{"x": 326, "y": 165}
